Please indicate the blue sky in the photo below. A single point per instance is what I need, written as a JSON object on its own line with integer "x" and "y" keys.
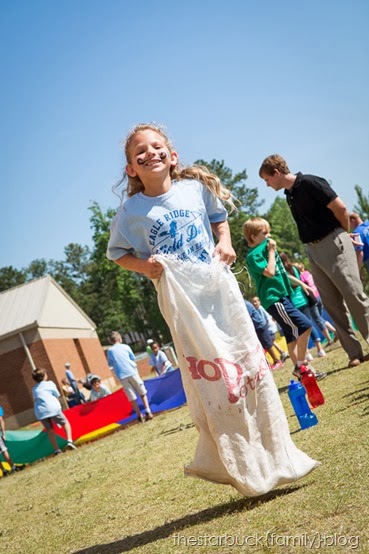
{"x": 233, "y": 80}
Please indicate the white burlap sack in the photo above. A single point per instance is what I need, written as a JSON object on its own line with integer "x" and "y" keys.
{"x": 244, "y": 436}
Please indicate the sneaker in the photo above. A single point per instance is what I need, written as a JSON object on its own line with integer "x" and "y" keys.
{"x": 57, "y": 452}
{"x": 321, "y": 354}
{"x": 319, "y": 375}
{"x": 277, "y": 365}
{"x": 141, "y": 418}
{"x": 6, "y": 472}
{"x": 149, "y": 416}
{"x": 284, "y": 356}
{"x": 309, "y": 357}
{"x": 71, "y": 445}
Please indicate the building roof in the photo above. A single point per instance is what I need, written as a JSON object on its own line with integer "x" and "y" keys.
{"x": 40, "y": 303}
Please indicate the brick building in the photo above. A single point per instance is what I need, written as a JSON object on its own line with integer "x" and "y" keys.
{"x": 41, "y": 326}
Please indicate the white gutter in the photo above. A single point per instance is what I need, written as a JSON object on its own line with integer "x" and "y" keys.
{"x": 28, "y": 353}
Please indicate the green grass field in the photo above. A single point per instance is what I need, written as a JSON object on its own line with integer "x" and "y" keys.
{"x": 127, "y": 492}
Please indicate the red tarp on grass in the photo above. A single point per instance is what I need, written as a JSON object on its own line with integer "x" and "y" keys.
{"x": 88, "y": 417}
{"x": 164, "y": 393}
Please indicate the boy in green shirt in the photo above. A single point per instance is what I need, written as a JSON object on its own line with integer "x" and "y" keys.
{"x": 274, "y": 290}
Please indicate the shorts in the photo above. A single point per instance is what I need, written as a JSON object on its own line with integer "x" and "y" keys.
{"x": 58, "y": 419}
{"x": 3, "y": 447}
{"x": 265, "y": 338}
{"x": 133, "y": 384}
{"x": 292, "y": 321}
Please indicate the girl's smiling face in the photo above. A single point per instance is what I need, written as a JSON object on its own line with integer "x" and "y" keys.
{"x": 149, "y": 154}
{"x": 155, "y": 347}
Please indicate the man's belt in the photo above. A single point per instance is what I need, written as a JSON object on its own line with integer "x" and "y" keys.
{"x": 321, "y": 238}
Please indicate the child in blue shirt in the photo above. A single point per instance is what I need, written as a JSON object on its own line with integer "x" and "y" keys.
{"x": 98, "y": 390}
{"x": 264, "y": 336}
{"x": 159, "y": 360}
{"x": 48, "y": 410}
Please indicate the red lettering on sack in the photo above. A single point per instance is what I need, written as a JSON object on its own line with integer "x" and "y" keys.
{"x": 232, "y": 375}
{"x": 231, "y": 386}
{"x": 201, "y": 369}
{"x": 193, "y": 367}
{"x": 243, "y": 391}
{"x": 250, "y": 382}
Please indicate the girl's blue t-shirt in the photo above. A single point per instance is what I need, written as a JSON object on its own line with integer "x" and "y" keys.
{"x": 177, "y": 222}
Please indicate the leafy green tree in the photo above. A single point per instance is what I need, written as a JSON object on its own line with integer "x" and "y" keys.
{"x": 11, "y": 277}
{"x": 247, "y": 199}
{"x": 284, "y": 230}
{"x": 72, "y": 273}
{"x": 362, "y": 206}
{"x": 36, "y": 269}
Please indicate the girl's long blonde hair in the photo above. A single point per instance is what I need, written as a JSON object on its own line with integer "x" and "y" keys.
{"x": 177, "y": 172}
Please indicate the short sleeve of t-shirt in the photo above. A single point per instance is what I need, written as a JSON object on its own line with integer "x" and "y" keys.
{"x": 321, "y": 191}
{"x": 308, "y": 200}
{"x": 257, "y": 261}
{"x": 118, "y": 244}
{"x": 214, "y": 207}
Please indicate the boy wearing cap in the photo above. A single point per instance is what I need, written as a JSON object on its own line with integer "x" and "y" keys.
{"x": 98, "y": 390}
{"x": 79, "y": 396}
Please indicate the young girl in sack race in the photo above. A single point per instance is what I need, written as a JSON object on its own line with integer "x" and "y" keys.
{"x": 164, "y": 230}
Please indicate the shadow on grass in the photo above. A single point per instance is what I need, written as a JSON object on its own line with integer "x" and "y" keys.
{"x": 181, "y": 427}
{"x": 168, "y": 529}
{"x": 359, "y": 397}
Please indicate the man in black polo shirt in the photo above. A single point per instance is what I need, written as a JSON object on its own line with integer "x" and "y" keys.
{"x": 323, "y": 223}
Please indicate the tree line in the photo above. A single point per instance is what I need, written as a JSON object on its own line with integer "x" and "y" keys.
{"x": 115, "y": 298}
